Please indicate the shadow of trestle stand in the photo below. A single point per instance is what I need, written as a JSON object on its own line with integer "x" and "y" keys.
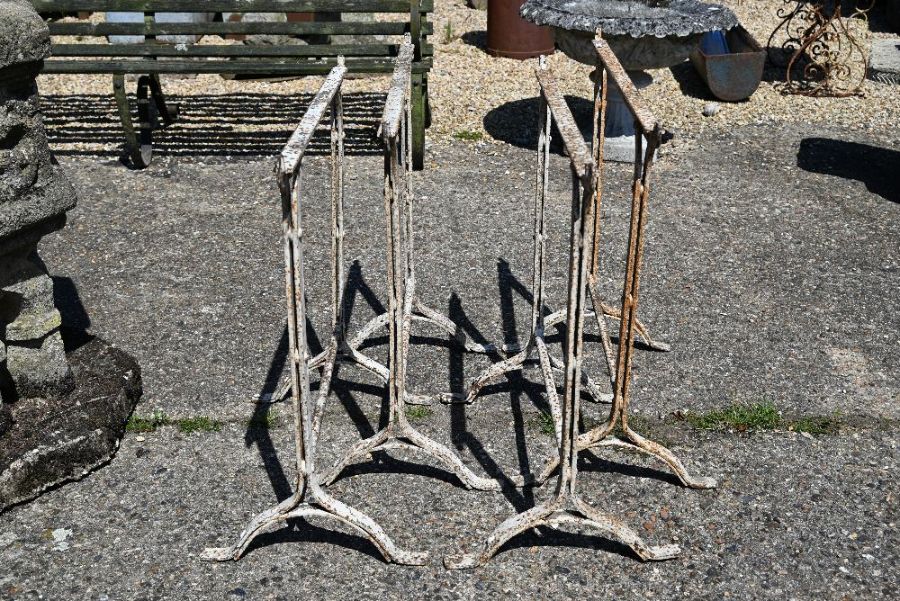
{"x": 566, "y": 507}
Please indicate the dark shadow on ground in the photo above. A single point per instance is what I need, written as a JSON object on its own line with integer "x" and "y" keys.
{"x": 75, "y": 320}
{"x": 548, "y": 537}
{"x": 777, "y": 59}
{"x": 301, "y": 531}
{"x": 876, "y": 167}
{"x": 689, "y": 81}
{"x": 517, "y": 386}
{"x": 260, "y": 437}
{"x": 589, "y": 462}
{"x": 516, "y": 122}
{"x": 520, "y": 389}
{"x": 478, "y": 39}
{"x": 210, "y": 125}
{"x": 878, "y": 18}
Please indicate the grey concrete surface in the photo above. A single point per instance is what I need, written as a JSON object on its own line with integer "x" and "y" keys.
{"x": 884, "y": 64}
{"x": 772, "y": 266}
{"x": 771, "y": 278}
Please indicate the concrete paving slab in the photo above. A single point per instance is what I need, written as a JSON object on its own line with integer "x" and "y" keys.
{"x": 884, "y": 61}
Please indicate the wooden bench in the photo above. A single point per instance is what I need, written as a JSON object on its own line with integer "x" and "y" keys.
{"x": 152, "y": 57}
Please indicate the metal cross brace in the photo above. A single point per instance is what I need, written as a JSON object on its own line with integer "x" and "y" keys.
{"x": 309, "y": 498}
{"x": 403, "y": 306}
{"x": 566, "y": 506}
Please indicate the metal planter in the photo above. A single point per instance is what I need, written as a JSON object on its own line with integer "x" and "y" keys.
{"x": 736, "y": 75}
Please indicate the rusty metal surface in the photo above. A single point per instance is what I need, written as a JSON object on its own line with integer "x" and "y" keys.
{"x": 289, "y": 160}
{"x": 579, "y": 155}
{"x": 736, "y": 75}
{"x": 586, "y": 170}
{"x": 616, "y": 72}
{"x": 566, "y": 507}
{"x": 395, "y": 127}
{"x": 825, "y": 56}
{"x": 395, "y": 104}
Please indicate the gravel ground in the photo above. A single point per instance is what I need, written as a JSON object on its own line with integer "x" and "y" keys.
{"x": 473, "y": 92}
{"x": 771, "y": 268}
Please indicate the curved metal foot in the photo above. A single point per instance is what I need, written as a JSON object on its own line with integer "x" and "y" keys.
{"x": 657, "y": 450}
{"x": 389, "y": 438}
{"x": 495, "y": 371}
{"x": 552, "y": 513}
{"x": 361, "y": 449}
{"x": 657, "y": 345}
{"x": 328, "y": 507}
{"x": 349, "y": 352}
{"x": 448, "y": 325}
{"x": 451, "y": 460}
{"x": 616, "y": 530}
{"x": 509, "y": 528}
{"x": 636, "y": 442}
{"x": 594, "y": 393}
{"x": 217, "y": 554}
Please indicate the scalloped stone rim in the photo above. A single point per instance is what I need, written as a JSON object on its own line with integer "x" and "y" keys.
{"x": 635, "y": 18}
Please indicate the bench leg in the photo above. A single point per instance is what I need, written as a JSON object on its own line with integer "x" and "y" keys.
{"x": 427, "y": 103}
{"x": 139, "y": 144}
{"x": 418, "y": 121}
{"x": 139, "y": 155}
{"x": 168, "y": 112}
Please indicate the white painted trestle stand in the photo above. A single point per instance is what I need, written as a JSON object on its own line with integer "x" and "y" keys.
{"x": 565, "y": 507}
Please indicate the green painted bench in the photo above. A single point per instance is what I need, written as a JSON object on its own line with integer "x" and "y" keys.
{"x": 120, "y": 59}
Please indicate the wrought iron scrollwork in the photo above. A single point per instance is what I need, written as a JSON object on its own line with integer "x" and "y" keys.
{"x": 820, "y": 53}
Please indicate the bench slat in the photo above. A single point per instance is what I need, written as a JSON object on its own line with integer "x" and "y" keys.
{"x": 249, "y": 67}
{"x": 234, "y": 50}
{"x": 239, "y": 6}
{"x": 296, "y": 28}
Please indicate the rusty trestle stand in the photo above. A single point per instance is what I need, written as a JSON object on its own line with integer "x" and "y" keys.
{"x": 649, "y": 128}
{"x": 403, "y": 305}
{"x": 309, "y": 499}
{"x": 566, "y": 507}
{"x": 541, "y": 323}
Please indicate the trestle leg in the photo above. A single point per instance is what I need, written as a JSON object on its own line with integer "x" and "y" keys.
{"x": 309, "y": 499}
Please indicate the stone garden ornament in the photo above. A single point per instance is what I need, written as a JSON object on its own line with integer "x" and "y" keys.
{"x": 61, "y": 413}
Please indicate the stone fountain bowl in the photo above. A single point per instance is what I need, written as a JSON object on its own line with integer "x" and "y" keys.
{"x": 643, "y": 34}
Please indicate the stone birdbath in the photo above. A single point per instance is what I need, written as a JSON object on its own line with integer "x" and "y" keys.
{"x": 643, "y": 34}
